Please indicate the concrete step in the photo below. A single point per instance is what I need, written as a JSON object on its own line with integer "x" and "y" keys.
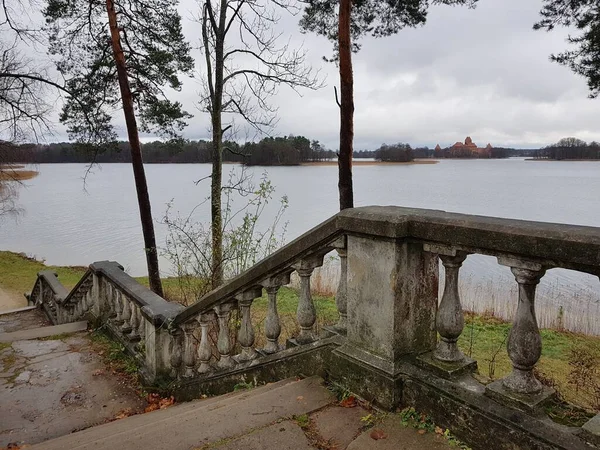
{"x": 36, "y": 333}
{"x": 201, "y": 422}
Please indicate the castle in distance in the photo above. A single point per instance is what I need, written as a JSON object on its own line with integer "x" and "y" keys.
{"x": 467, "y": 150}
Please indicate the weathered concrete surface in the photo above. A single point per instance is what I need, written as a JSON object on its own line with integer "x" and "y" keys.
{"x": 24, "y": 320}
{"x": 399, "y": 437}
{"x": 279, "y": 436}
{"x": 199, "y": 423}
{"x": 42, "y": 332}
{"x": 339, "y": 426}
{"x": 54, "y": 387}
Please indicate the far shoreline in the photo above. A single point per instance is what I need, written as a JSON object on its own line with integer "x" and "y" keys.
{"x": 561, "y": 160}
{"x": 373, "y": 163}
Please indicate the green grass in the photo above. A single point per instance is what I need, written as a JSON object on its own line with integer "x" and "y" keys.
{"x": 19, "y": 272}
{"x": 484, "y": 340}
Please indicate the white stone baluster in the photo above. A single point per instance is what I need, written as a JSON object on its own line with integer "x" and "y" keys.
{"x": 524, "y": 341}
{"x": 450, "y": 318}
{"x": 126, "y": 315}
{"x": 224, "y": 340}
{"x": 246, "y": 331}
{"x": 189, "y": 349}
{"x": 175, "y": 352}
{"x": 204, "y": 349}
{"x": 134, "y": 322}
{"x": 306, "y": 313}
{"x": 341, "y": 296}
{"x": 272, "y": 322}
{"x": 141, "y": 325}
{"x": 118, "y": 300}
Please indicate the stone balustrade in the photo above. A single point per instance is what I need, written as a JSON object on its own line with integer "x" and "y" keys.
{"x": 396, "y": 338}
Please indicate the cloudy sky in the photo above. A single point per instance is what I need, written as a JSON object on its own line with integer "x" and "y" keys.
{"x": 482, "y": 72}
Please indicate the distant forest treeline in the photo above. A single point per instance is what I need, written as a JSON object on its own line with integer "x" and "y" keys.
{"x": 569, "y": 148}
{"x": 290, "y": 150}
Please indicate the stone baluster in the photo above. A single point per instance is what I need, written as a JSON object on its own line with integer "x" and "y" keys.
{"x": 126, "y": 315}
{"x": 204, "y": 349}
{"x": 118, "y": 300}
{"x": 306, "y": 313}
{"x": 272, "y": 323}
{"x": 175, "y": 352}
{"x": 450, "y": 318}
{"x": 110, "y": 301}
{"x": 524, "y": 341}
{"x": 141, "y": 325}
{"x": 246, "y": 331}
{"x": 224, "y": 340}
{"x": 341, "y": 296}
{"x": 134, "y": 322}
{"x": 189, "y": 349}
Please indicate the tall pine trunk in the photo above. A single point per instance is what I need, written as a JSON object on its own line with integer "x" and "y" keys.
{"x": 217, "y": 153}
{"x": 139, "y": 175}
{"x": 346, "y": 107}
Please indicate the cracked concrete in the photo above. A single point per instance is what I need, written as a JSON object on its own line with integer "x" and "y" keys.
{"x": 49, "y": 388}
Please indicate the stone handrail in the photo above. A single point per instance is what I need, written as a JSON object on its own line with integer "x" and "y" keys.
{"x": 387, "y": 299}
{"x": 130, "y": 311}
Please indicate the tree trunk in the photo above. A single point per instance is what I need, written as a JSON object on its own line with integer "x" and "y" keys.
{"x": 346, "y": 107}
{"x": 136, "y": 154}
{"x": 217, "y": 153}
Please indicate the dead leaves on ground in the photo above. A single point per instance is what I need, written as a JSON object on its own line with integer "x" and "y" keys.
{"x": 349, "y": 402}
{"x": 156, "y": 402}
{"x": 377, "y": 434}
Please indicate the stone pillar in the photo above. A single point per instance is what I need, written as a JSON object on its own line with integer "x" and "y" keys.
{"x": 306, "y": 313}
{"x": 223, "y": 339}
{"x": 246, "y": 331}
{"x": 341, "y": 296}
{"x": 157, "y": 341}
{"x": 272, "y": 322}
{"x": 524, "y": 343}
{"x": 450, "y": 320}
{"x": 392, "y": 302}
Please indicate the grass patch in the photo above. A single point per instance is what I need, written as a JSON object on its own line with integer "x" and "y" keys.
{"x": 4, "y": 345}
{"x": 55, "y": 337}
{"x": 8, "y": 361}
{"x": 114, "y": 354}
{"x": 13, "y": 174}
{"x": 18, "y": 272}
{"x": 484, "y": 339}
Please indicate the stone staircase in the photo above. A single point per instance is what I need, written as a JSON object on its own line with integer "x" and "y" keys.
{"x": 290, "y": 414}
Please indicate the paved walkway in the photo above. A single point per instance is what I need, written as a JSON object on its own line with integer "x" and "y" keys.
{"x": 53, "y": 387}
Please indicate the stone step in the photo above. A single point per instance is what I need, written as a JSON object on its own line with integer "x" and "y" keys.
{"x": 194, "y": 424}
{"x": 42, "y": 332}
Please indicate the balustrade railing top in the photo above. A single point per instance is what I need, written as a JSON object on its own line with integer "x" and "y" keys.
{"x": 552, "y": 245}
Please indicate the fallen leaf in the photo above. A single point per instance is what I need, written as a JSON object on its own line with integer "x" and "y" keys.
{"x": 166, "y": 402}
{"x": 151, "y": 407}
{"x": 124, "y": 413}
{"x": 439, "y": 430}
{"x": 153, "y": 398}
{"x": 422, "y": 431}
{"x": 299, "y": 398}
{"x": 95, "y": 373}
{"x": 377, "y": 434}
{"x": 349, "y": 402}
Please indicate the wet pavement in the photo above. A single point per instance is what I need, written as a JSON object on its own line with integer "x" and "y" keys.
{"x": 55, "y": 386}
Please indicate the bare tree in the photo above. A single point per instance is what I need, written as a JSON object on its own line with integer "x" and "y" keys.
{"x": 246, "y": 62}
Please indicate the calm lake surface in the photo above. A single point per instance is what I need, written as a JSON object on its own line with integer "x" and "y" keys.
{"x": 66, "y": 224}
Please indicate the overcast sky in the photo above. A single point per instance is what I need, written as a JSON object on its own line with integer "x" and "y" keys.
{"x": 483, "y": 73}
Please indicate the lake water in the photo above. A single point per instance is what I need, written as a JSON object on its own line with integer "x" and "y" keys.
{"x": 66, "y": 223}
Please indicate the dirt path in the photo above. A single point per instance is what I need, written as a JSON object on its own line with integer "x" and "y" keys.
{"x": 11, "y": 300}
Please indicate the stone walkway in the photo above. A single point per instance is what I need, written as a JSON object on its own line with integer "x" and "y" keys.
{"x": 53, "y": 387}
